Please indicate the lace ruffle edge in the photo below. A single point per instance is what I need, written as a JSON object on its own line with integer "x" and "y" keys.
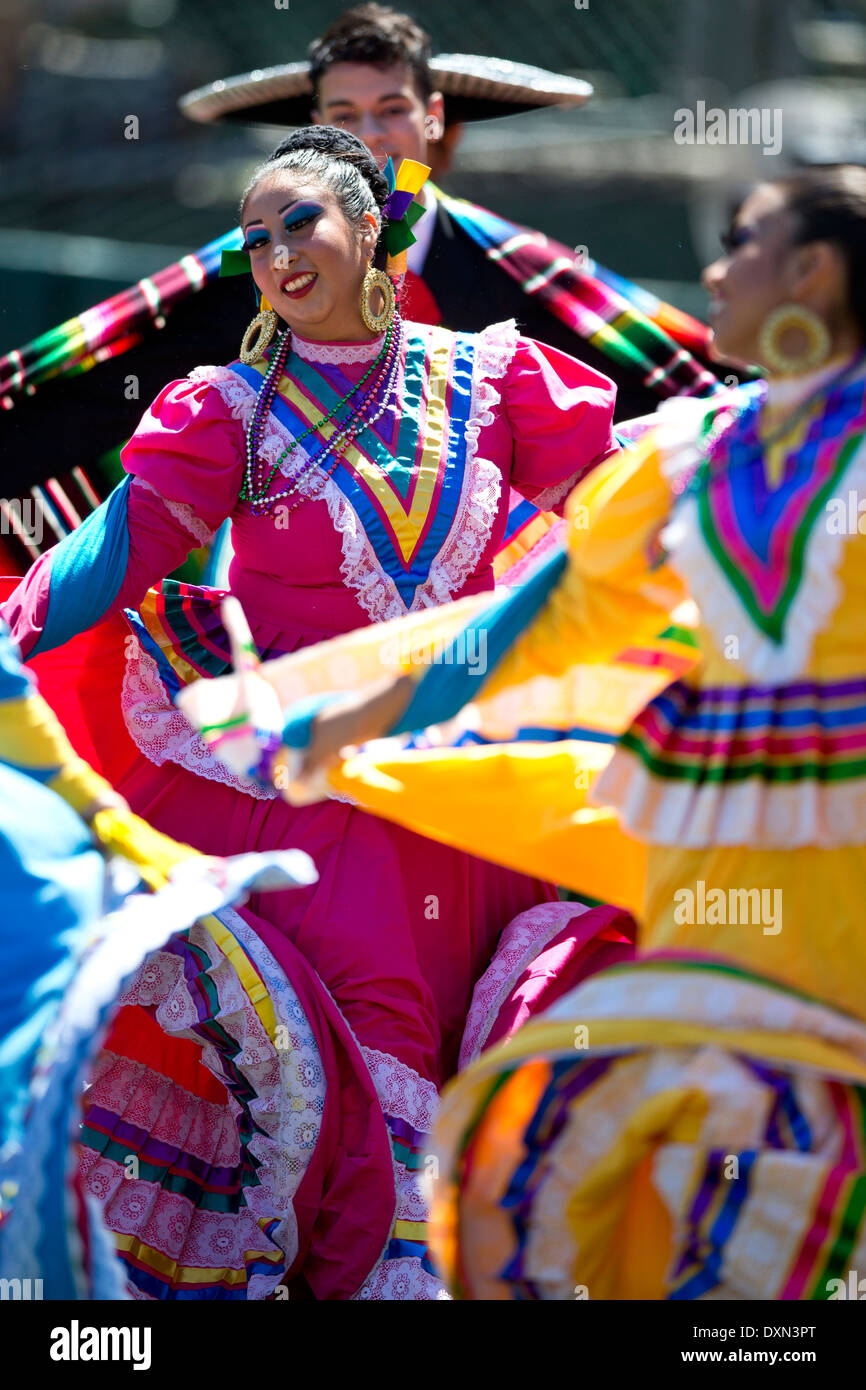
{"x": 522, "y": 940}
{"x": 472, "y": 527}
{"x": 405, "y": 1096}
{"x": 182, "y": 512}
{"x": 286, "y": 1097}
{"x": 479, "y": 503}
{"x": 162, "y": 733}
{"x": 336, "y": 354}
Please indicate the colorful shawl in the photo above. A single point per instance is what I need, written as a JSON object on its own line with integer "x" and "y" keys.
{"x": 627, "y": 323}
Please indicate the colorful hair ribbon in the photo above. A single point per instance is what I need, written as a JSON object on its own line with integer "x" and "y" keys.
{"x": 234, "y": 262}
{"x": 400, "y": 213}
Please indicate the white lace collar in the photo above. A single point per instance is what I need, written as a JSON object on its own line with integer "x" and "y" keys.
{"x": 336, "y": 353}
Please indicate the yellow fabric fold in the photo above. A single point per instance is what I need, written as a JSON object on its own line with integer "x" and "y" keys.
{"x": 789, "y": 1049}
{"x": 521, "y": 805}
{"x": 592, "y": 658}
{"x": 613, "y": 1258}
{"x": 121, "y": 832}
{"x": 33, "y": 740}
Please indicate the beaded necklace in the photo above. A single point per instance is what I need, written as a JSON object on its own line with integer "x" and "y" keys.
{"x": 256, "y": 487}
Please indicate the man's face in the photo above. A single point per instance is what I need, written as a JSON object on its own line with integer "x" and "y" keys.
{"x": 382, "y": 107}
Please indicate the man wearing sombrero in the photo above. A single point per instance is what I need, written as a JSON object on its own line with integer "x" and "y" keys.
{"x": 370, "y": 72}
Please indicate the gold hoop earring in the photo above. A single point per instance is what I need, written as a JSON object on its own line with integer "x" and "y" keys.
{"x": 377, "y": 280}
{"x": 263, "y": 326}
{"x": 793, "y": 318}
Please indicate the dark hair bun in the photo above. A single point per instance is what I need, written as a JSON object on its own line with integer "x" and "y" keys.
{"x": 339, "y": 144}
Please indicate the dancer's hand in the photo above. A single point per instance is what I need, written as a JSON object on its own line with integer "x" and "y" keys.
{"x": 302, "y": 777}
{"x": 353, "y": 720}
{"x": 106, "y": 800}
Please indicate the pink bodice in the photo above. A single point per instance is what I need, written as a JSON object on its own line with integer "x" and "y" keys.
{"x": 325, "y": 562}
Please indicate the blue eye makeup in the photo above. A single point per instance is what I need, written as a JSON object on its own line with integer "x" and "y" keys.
{"x": 254, "y": 239}
{"x": 257, "y": 237}
{"x": 304, "y": 212}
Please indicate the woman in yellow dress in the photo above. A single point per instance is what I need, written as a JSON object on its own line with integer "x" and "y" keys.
{"x": 684, "y": 702}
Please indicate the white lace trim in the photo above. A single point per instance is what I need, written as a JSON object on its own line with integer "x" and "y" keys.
{"x": 162, "y": 733}
{"x": 410, "y": 1186}
{"x": 285, "y": 1073}
{"x": 336, "y": 353}
{"x": 400, "y": 1280}
{"x": 238, "y": 396}
{"x": 403, "y": 1095}
{"x": 182, "y": 512}
{"x": 551, "y": 497}
{"x": 292, "y": 1118}
{"x": 402, "y": 1092}
{"x": 360, "y": 570}
{"x": 817, "y": 597}
{"x": 522, "y": 940}
{"x": 468, "y": 537}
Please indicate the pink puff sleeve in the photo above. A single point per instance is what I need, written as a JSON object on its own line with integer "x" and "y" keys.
{"x": 560, "y": 413}
{"x": 186, "y": 462}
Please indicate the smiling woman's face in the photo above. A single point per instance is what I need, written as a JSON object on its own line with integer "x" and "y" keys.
{"x": 306, "y": 258}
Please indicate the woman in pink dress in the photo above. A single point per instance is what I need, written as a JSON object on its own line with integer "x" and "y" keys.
{"x": 365, "y": 464}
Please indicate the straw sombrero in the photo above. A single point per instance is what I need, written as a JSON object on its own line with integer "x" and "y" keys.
{"x": 475, "y": 89}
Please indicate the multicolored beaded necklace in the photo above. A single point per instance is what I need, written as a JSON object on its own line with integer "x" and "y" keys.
{"x": 256, "y": 487}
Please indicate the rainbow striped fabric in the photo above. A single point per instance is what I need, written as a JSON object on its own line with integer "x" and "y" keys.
{"x": 86, "y": 943}
{"x": 112, "y": 326}
{"x": 618, "y": 317}
{"x": 628, "y": 324}
{"x": 672, "y": 1129}
{"x": 195, "y": 1175}
{"x": 179, "y": 625}
{"x": 809, "y": 730}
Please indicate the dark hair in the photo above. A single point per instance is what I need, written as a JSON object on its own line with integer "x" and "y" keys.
{"x": 829, "y": 204}
{"x": 376, "y": 35}
{"x": 337, "y": 160}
